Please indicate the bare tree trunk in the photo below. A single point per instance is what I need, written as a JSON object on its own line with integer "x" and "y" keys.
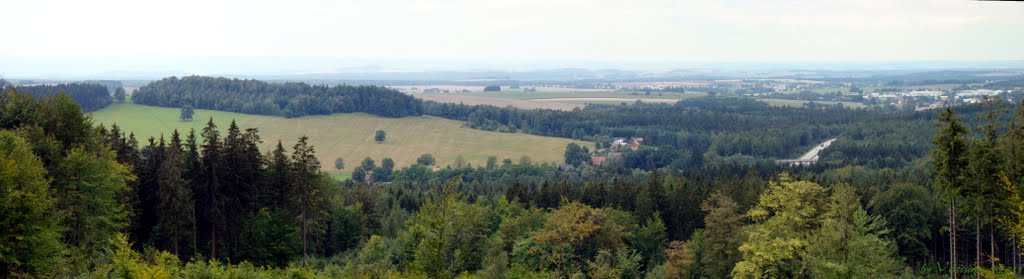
{"x": 977, "y": 244}
{"x": 213, "y": 242}
{"x": 305, "y": 231}
{"x": 952, "y": 238}
{"x": 195, "y": 234}
{"x": 991, "y": 246}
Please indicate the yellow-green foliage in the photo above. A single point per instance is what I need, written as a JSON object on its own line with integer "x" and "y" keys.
{"x": 29, "y": 229}
{"x": 127, "y": 263}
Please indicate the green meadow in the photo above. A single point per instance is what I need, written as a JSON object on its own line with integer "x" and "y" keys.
{"x": 349, "y": 135}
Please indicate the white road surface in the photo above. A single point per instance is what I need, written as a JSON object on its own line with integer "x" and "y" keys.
{"x": 813, "y": 153}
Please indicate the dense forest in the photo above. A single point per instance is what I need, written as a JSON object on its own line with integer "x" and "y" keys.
{"x": 90, "y": 96}
{"x": 722, "y": 129}
{"x": 290, "y": 99}
{"x": 690, "y": 133}
{"x": 85, "y": 201}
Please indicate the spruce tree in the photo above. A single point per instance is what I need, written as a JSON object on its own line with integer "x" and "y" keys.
{"x": 209, "y": 199}
{"x": 307, "y": 199}
{"x": 651, "y": 198}
{"x": 175, "y": 209}
{"x": 949, "y": 161}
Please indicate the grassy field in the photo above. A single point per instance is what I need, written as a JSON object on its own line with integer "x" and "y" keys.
{"x": 560, "y": 100}
{"x": 581, "y": 94}
{"x": 498, "y": 102}
{"x": 350, "y": 136}
{"x": 797, "y": 103}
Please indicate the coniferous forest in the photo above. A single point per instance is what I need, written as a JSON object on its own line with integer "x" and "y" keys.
{"x": 82, "y": 200}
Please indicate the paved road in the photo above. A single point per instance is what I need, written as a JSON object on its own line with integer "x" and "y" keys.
{"x": 813, "y": 154}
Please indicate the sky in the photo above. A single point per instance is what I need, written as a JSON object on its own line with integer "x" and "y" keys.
{"x": 318, "y": 35}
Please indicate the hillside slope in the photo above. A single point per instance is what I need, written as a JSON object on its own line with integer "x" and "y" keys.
{"x": 350, "y": 135}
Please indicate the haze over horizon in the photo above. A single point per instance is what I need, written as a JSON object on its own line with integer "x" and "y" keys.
{"x": 111, "y": 38}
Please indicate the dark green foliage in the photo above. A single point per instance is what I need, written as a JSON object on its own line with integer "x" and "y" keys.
{"x": 307, "y": 202}
{"x": 651, "y": 198}
{"x": 89, "y": 96}
{"x": 576, "y": 154}
{"x": 270, "y": 238}
{"x": 210, "y": 211}
{"x": 380, "y": 136}
{"x": 339, "y": 163}
{"x": 492, "y": 88}
{"x": 426, "y": 160}
{"x": 292, "y": 99}
{"x": 187, "y": 112}
{"x": 907, "y": 211}
{"x": 175, "y": 209}
{"x": 120, "y": 95}
{"x": 509, "y": 220}
{"x": 348, "y": 226}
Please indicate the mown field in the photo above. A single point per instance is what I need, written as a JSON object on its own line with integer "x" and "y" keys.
{"x": 349, "y": 136}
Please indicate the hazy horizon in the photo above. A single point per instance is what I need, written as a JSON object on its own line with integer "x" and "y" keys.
{"x": 126, "y": 38}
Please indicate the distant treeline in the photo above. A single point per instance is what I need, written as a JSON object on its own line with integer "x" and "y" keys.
{"x": 89, "y": 96}
{"x": 723, "y": 126}
{"x": 291, "y": 99}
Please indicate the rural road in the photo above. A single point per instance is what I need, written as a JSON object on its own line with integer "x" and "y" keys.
{"x": 813, "y": 153}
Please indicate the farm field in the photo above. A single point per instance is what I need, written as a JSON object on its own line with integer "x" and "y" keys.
{"x": 797, "y": 103}
{"x": 349, "y": 135}
{"x": 609, "y": 100}
{"x": 498, "y": 102}
{"x": 581, "y": 94}
{"x": 560, "y": 100}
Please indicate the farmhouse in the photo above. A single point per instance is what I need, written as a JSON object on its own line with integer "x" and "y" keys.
{"x": 598, "y": 160}
{"x": 634, "y": 143}
{"x": 618, "y": 142}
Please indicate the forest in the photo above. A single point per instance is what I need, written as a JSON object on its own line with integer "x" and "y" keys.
{"x": 90, "y": 96}
{"x": 88, "y": 201}
{"x": 289, "y": 99}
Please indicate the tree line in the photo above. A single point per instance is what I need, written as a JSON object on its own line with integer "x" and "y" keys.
{"x": 90, "y": 96}
{"x": 289, "y": 99}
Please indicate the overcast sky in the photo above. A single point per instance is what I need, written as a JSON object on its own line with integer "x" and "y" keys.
{"x": 513, "y": 31}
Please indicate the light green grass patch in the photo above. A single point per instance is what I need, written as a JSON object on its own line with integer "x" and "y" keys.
{"x": 584, "y": 94}
{"x": 350, "y": 135}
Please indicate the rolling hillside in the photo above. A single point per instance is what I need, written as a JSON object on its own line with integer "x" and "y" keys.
{"x": 350, "y": 136}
